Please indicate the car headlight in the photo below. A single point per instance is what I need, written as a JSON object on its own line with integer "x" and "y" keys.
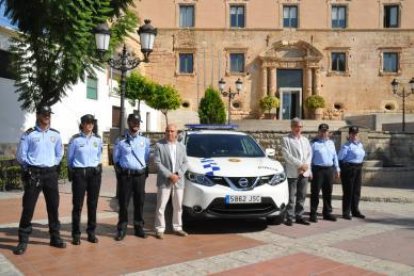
{"x": 199, "y": 179}
{"x": 277, "y": 178}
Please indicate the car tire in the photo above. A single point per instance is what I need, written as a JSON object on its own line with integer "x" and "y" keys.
{"x": 276, "y": 220}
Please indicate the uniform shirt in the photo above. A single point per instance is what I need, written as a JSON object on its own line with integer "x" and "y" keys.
{"x": 84, "y": 151}
{"x": 296, "y": 151}
{"x": 324, "y": 153}
{"x": 40, "y": 148}
{"x": 352, "y": 152}
{"x": 123, "y": 152}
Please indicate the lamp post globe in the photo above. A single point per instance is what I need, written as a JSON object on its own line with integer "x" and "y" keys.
{"x": 125, "y": 62}
{"x": 229, "y": 94}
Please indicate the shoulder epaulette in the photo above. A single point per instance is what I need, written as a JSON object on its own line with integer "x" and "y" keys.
{"x": 74, "y": 136}
{"x": 30, "y": 130}
{"x": 52, "y": 129}
{"x": 314, "y": 140}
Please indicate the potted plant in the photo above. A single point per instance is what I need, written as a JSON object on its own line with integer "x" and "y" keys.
{"x": 315, "y": 103}
{"x": 268, "y": 103}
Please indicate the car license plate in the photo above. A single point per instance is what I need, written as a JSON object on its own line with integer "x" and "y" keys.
{"x": 243, "y": 199}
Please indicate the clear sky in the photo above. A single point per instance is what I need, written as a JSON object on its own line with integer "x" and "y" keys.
{"x": 4, "y": 21}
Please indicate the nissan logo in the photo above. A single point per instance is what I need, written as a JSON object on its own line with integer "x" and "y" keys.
{"x": 243, "y": 182}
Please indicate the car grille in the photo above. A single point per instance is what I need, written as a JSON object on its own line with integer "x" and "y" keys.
{"x": 219, "y": 207}
{"x": 241, "y": 183}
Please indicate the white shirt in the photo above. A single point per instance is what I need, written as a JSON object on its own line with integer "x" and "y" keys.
{"x": 173, "y": 154}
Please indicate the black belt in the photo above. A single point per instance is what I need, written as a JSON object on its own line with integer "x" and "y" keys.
{"x": 36, "y": 169}
{"x": 85, "y": 169}
{"x": 321, "y": 167}
{"x": 352, "y": 164}
{"x": 132, "y": 172}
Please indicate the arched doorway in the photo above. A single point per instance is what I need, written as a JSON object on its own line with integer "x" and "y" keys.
{"x": 290, "y": 71}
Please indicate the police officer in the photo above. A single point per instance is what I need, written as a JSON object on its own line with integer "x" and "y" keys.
{"x": 324, "y": 168}
{"x": 351, "y": 156}
{"x": 39, "y": 153}
{"x": 131, "y": 156}
{"x": 85, "y": 170}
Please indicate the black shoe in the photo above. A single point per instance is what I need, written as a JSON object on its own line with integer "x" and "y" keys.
{"x": 139, "y": 232}
{"x": 92, "y": 239}
{"x": 288, "y": 222}
{"x": 313, "y": 218}
{"x": 358, "y": 215}
{"x": 329, "y": 217}
{"x": 20, "y": 248}
{"x": 302, "y": 221}
{"x": 120, "y": 235}
{"x": 76, "y": 241}
{"x": 346, "y": 216}
{"x": 58, "y": 243}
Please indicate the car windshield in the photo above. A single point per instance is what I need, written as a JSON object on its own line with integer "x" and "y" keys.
{"x": 222, "y": 145}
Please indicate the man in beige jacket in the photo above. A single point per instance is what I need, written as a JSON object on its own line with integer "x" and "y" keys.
{"x": 297, "y": 152}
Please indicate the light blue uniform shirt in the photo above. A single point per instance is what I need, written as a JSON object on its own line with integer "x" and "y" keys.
{"x": 123, "y": 152}
{"x": 352, "y": 152}
{"x": 84, "y": 151}
{"x": 324, "y": 154}
{"x": 40, "y": 148}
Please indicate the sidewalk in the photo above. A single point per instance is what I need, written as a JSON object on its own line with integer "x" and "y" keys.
{"x": 382, "y": 244}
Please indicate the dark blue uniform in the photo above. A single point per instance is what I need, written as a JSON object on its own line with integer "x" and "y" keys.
{"x": 84, "y": 162}
{"x": 39, "y": 153}
{"x": 131, "y": 156}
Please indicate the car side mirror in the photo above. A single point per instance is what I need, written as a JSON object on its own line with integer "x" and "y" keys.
{"x": 270, "y": 152}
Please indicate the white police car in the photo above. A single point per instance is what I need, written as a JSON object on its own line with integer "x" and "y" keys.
{"x": 230, "y": 176}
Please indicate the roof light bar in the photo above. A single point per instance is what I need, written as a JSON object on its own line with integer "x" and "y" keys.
{"x": 213, "y": 126}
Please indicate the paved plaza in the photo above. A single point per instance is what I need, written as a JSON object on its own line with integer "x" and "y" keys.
{"x": 382, "y": 244}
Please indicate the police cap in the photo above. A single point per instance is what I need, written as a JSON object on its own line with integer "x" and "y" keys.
{"x": 87, "y": 118}
{"x": 353, "y": 129}
{"x": 134, "y": 118}
{"x": 43, "y": 109}
{"x": 323, "y": 127}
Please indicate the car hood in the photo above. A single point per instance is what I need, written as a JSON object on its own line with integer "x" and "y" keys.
{"x": 234, "y": 166}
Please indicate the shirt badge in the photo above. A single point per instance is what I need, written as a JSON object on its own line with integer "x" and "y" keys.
{"x": 52, "y": 139}
{"x": 95, "y": 144}
{"x": 142, "y": 144}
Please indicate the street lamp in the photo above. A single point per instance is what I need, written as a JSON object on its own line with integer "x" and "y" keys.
{"x": 395, "y": 84}
{"x": 229, "y": 94}
{"x": 125, "y": 62}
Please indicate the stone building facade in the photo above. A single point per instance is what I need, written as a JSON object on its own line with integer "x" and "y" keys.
{"x": 347, "y": 51}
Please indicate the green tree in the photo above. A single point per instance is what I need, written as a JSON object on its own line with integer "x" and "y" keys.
{"x": 211, "y": 109}
{"x": 57, "y": 46}
{"x": 164, "y": 99}
{"x": 139, "y": 88}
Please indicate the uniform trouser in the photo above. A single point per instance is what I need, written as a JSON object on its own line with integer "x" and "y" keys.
{"x": 297, "y": 195}
{"x": 351, "y": 176}
{"x": 323, "y": 178}
{"x": 135, "y": 185}
{"x": 85, "y": 181}
{"x": 46, "y": 181}
{"x": 163, "y": 195}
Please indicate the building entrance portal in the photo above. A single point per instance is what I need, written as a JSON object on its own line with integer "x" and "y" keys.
{"x": 290, "y": 103}
{"x": 290, "y": 71}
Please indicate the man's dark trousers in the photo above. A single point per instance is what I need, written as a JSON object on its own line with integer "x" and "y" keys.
{"x": 351, "y": 178}
{"x": 45, "y": 180}
{"x": 131, "y": 184}
{"x": 85, "y": 180}
{"x": 323, "y": 178}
